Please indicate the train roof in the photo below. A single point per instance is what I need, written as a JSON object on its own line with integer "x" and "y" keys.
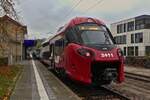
{"x": 80, "y": 20}
{"x": 77, "y": 21}
{"x": 47, "y": 39}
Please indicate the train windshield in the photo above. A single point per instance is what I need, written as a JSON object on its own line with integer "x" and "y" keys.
{"x": 90, "y": 34}
{"x": 95, "y": 37}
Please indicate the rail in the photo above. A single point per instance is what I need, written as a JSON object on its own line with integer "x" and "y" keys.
{"x": 137, "y": 77}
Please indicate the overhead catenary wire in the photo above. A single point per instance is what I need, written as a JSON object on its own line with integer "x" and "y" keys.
{"x": 76, "y": 5}
{"x": 67, "y": 14}
{"x": 93, "y": 6}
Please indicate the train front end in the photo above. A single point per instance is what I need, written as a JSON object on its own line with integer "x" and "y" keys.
{"x": 92, "y": 57}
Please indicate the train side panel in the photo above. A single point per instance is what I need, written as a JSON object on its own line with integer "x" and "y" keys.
{"x": 77, "y": 67}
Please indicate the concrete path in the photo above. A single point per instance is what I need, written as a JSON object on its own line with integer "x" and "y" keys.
{"x": 26, "y": 88}
{"x": 37, "y": 83}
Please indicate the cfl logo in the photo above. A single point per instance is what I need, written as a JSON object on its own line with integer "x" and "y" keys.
{"x": 107, "y": 55}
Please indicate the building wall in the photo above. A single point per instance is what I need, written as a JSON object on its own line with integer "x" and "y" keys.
{"x": 14, "y": 32}
{"x": 141, "y": 46}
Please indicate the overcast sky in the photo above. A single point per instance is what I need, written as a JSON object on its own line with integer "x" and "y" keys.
{"x": 43, "y": 16}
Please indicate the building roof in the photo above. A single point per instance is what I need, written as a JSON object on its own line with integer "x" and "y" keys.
{"x": 5, "y": 17}
{"x": 142, "y": 16}
{"x": 136, "y": 17}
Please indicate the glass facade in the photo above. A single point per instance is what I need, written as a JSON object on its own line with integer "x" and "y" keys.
{"x": 142, "y": 22}
{"x": 133, "y": 35}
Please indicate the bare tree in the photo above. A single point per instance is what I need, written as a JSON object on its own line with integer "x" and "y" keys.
{"x": 7, "y": 7}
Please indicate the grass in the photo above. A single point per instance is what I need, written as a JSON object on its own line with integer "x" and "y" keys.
{"x": 8, "y": 76}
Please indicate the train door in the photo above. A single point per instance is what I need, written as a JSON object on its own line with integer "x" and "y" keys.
{"x": 51, "y": 58}
{"x": 58, "y": 53}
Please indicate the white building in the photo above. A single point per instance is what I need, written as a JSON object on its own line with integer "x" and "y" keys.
{"x": 133, "y": 35}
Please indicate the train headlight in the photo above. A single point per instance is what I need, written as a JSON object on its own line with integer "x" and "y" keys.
{"x": 120, "y": 53}
{"x": 85, "y": 52}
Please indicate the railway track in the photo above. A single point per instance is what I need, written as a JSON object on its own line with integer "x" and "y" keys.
{"x": 94, "y": 93}
{"x": 137, "y": 77}
{"x": 91, "y": 92}
{"x": 121, "y": 96}
{"x": 135, "y": 86}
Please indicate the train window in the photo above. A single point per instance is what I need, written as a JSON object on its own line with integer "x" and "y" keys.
{"x": 95, "y": 37}
{"x": 51, "y": 49}
{"x": 71, "y": 36}
{"x": 59, "y": 43}
{"x": 59, "y": 46}
{"x": 94, "y": 34}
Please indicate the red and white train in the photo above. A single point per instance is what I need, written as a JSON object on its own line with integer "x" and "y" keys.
{"x": 84, "y": 50}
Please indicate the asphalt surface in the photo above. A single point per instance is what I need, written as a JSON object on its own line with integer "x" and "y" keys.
{"x": 27, "y": 88}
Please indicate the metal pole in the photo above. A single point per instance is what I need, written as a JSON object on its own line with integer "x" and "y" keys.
{"x": 21, "y": 50}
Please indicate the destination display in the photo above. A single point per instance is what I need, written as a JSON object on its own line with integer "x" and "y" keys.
{"x": 93, "y": 28}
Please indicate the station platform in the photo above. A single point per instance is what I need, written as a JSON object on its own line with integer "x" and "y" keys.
{"x": 138, "y": 70}
{"x": 37, "y": 83}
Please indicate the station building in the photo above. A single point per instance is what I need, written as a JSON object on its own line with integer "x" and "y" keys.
{"x": 12, "y": 34}
{"x": 133, "y": 35}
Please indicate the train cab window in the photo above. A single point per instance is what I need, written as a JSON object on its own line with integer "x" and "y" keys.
{"x": 71, "y": 36}
{"x": 89, "y": 34}
{"x": 95, "y": 37}
{"x": 94, "y": 34}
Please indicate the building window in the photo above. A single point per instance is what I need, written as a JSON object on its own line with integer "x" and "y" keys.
{"x": 136, "y": 51}
{"x": 120, "y": 39}
{"x": 130, "y": 26}
{"x": 124, "y": 51}
{"x": 139, "y": 24}
{"x": 138, "y": 37}
{"x": 142, "y": 23}
{"x": 147, "y": 50}
{"x": 124, "y": 27}
{"x": 120, "y": 28}
{"x": 132, "y": 38}
{"x": 124, "y": 39}
{"x": 147, "y": 23}
{"x": 130, "y": 51}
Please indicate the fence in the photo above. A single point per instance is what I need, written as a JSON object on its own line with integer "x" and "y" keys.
{"x": 138, "y": 61}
